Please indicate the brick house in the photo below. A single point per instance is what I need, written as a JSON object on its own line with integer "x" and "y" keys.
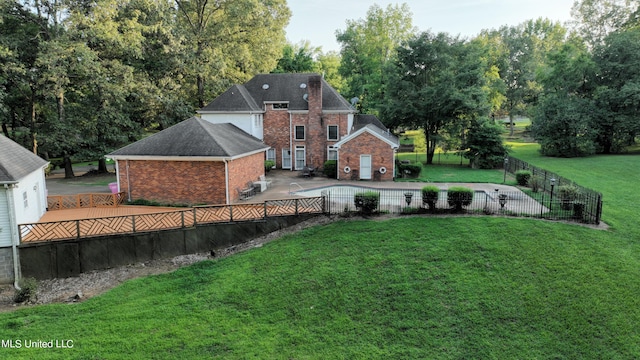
{"x": 23, "y": 199}
{"x": 192, "y": 162}
{"x": 302, "y": 119}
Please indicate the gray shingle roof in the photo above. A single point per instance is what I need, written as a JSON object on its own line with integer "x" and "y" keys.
{"x": 195, "y": 137}
{"x": 273, "y": 88}
{"x": 16, "y": 162}
{"x": 362, "y": 120}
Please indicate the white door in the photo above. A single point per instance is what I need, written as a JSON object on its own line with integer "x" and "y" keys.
{"x": 365, "y": 167}
{"x": 286, "y": 159}
{"x": 301, "y": 161}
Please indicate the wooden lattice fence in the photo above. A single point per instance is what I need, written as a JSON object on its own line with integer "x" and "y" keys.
{"x": 75, "y": 229}
{"x": 63, "y": 202}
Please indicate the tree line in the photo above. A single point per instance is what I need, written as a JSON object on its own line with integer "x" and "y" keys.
{"x": 81, "y": 78}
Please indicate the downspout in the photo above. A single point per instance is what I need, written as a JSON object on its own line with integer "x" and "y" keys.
{"x": 226, "y": 180}
{"x": 14, "y": 236}
{"x": 291, "y": 154}
{"x": 128, "y": 181}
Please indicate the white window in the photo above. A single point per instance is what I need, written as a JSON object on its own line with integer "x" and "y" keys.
{"x": 280, "y": 106}
{"x": 300, "y": 157}
{"x": 332, "y": 132}
{"x": 332, "y": 154}
{"x": 286, "y": 159}
{"x": 25, "y": 199}
{"x": 271, "y": 155}
{"x": 299, "y": 135}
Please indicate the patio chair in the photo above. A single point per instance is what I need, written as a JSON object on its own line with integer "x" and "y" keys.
{"x": 266, "y": 182}
{"x": 244, "y": 194}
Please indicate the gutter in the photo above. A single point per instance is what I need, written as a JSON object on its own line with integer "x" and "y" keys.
{"x": 14, "y": 236}
{"x": 226, "y": 180}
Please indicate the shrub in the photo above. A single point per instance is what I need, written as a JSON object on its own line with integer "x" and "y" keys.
{"x": 522, "y": 177}
{"x": 408, "y": 170}
{"x": 485, "y": 144}
{"x": 331, "y": 168}
{"x": 459, "y": 196}
{"x": 578, "y": 210}
{"x": 268, "y": 165}
{"x": 366, "y": 201}
{"x": 536, "y": 183}
{"x": 430, "y": 196}
{"x": 27, "y": 292}
{"x": 567, "y": 194}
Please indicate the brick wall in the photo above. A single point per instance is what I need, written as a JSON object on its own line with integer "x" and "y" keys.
{"x": 244, "y": 170}
{"x": 6, "y": 266}
{"x": 382, "y": 155}
{"x": 174, "y": 182}
{"x": 189, "y": 182}
{"x": 276, "y": 131}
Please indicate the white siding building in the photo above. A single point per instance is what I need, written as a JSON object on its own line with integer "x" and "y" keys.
{"x": 23, "y": 199}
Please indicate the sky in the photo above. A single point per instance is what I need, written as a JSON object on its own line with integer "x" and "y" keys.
{"x": 317, "y": 21}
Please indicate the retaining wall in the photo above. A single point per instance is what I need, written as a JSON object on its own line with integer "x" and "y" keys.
{"x": 67, "y": 258}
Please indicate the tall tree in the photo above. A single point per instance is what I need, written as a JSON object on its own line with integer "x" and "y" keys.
{"x": 229, "y": 41}
{"x": 367, "y": 45}
{"x": 595, "y": 19}
{"x": 328, "y": 64}
{"x": 618, "y": 93}
{"x": 297, "y": 58}
{"x": 438, "y": 81}
{"x": 563, "y": 123}
{"x": 524, "y": 48}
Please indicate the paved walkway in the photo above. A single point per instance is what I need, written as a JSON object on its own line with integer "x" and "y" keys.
{"x": 283, "y": 182}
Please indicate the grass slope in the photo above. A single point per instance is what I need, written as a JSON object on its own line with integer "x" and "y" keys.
{"x": 408, "y": 288}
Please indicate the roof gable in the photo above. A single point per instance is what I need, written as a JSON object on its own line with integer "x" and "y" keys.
{"x": 17, "y": 162}
{"x": 269, "y": 88}
{"x": 194, "y": 137}
{"x": 381, "y": 134}
{"x": 237, "y": 98}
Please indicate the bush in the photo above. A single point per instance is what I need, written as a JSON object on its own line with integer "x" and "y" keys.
{"x": 485, "y": 144}
{"x": 408, "y": 170}
{"x": 430, "y": 196}
{"x": 536, "y": 183}
{"x": 367, "y": 201}
{"x": 567, "y": 194}
{"x": 268, "y": 165}
{"x": 522, "y": 177}
{"x": 331, "y": 168}
{"x": 459, "y": 196}
{"x": 27, "y": 292}
{"x": 578, "y": 210}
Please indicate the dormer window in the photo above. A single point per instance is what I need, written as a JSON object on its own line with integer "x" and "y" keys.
{"x": 280, "y": 106}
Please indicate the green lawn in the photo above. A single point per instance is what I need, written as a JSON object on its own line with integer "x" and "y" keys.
{"x": 408, "y": 288}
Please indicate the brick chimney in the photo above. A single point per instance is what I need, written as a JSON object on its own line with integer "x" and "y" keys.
{"x": 316, "y": 142}
{"x": 315, "y": 97}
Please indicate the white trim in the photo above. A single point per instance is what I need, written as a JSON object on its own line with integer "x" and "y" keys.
{"x": 184, "y": 158}
{"x": 361, "y": 131}
{"x": 337, "y": 133}
{"x": 362, "y": 173}
{"x": 295, "y": 133}
{"x": 304, "y": 157}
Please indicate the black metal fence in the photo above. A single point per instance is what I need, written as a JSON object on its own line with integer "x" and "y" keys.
{"x": 587, "y": 199}
{"x": 541, "y": 204}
